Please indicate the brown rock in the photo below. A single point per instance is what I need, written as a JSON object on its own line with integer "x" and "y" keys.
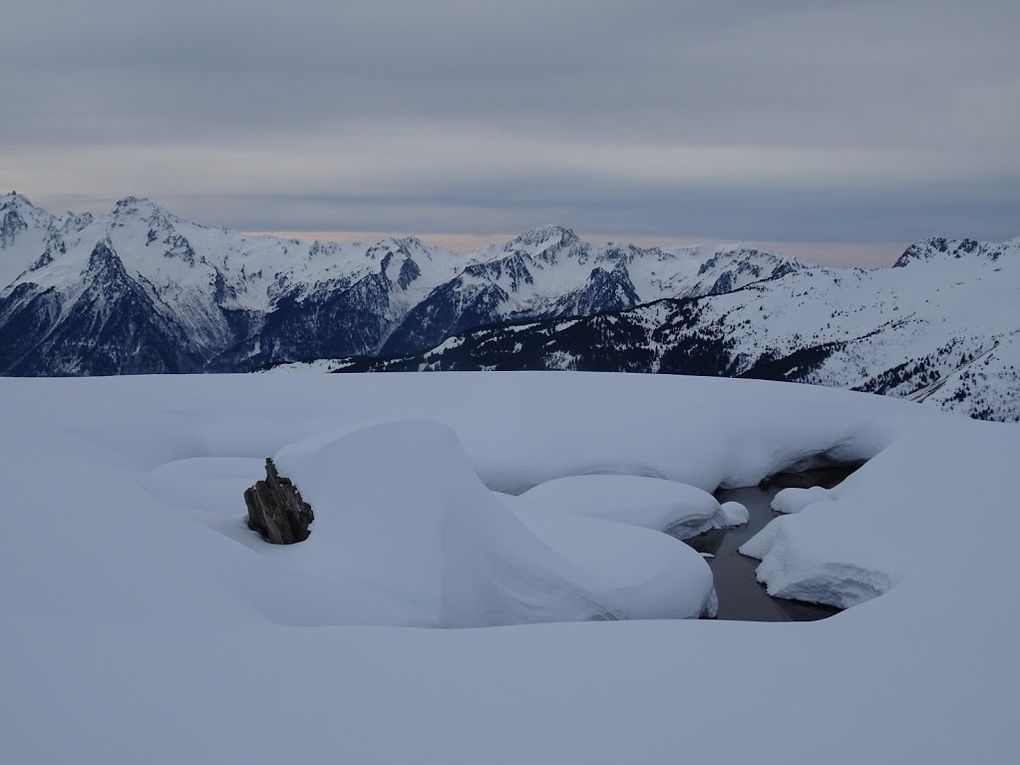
{"x": 276, "y": 510}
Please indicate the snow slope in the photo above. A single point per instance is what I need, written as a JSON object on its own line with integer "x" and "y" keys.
{"x": 941, "y": 326}
{"x": 133, "y": 628}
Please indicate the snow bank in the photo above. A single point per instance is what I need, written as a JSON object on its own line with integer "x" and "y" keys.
{"x": 794, "y": 499}
{"x": 638, "y": 573}
{"x": 399, "y": 512}
{"x": 652, "y": 503}
{"x": 732, "y": 514}
{"x": 896, "y": 522}
{"x": 399, "y": 509}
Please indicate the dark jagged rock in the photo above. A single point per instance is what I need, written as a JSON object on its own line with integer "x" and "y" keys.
{"x": 276, "y": 510}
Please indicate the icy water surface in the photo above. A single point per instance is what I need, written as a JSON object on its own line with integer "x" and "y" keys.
{"x": 741, "y": 597}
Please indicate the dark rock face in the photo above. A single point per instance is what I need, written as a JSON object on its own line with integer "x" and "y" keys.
{"x": 276, "y": 510}
{"x": 113, "y": 326}
{"x": 11, "y": 225}
{"x": 449, "y": 309}
{"x": 327, "y": 324}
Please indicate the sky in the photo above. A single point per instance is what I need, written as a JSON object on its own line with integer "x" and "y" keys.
{"x": 853, "y": 127}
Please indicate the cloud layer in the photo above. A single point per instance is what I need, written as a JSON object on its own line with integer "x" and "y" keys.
{"x": 786, "y": 120}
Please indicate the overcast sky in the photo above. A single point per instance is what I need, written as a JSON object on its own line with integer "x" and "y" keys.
{"x": 780, "y": 121}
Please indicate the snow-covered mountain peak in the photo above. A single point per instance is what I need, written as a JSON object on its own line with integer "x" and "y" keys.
{"x": 404, "y": 260}
{"x": 406, "y": 246}
{"x": 141, "y": 208}
{"x": 543, "y": 239}
{"x": 13, "y": 199}
{"x": 17, "y": 214}
{"x": 745, "y": 253}
{"x": 410, "y": 243}
{"x": 27, "y": 234}
{"x": 942, "y": 249}
{"x": 732, "y": 267}
{"x": 132, "y": 203}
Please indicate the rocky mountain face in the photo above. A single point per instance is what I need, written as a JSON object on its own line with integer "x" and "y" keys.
{"x": 139, "y": 290}
{"x": 549, "y": 272}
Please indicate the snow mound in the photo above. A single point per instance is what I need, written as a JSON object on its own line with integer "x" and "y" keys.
{"x": 652, "y": 503}
{"x": 791, "y": 568}
{"x": 793, "y": 499}
{"x": 732, "y": 514}
{"x": 640, "y": 573}
{"x": 398, "y": 508}
{"x": 405, "y": 532}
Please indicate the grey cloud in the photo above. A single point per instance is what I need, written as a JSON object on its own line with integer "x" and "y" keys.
{"x": 200, "y": 88}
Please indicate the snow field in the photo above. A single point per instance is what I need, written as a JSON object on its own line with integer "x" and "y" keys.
{"x": 142, "y": 621}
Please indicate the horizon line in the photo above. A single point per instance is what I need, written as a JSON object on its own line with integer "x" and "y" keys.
{"x": 863, "y": 254}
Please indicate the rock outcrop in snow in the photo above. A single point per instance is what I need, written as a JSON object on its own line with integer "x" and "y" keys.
{"x": 276, "y": 509}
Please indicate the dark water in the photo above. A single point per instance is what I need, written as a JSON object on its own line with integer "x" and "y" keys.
{"x": 740, "y": 595}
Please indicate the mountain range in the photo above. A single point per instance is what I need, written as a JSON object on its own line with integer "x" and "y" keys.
{"x": 139, "y": 290}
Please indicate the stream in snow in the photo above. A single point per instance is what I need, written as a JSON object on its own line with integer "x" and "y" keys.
{"x": 741, "y": 597}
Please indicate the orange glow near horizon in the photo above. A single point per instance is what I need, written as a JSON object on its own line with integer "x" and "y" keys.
{"x": 830, "y": 253}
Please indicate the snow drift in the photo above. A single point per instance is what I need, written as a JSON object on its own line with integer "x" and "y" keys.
{"x": 653, "y": 503}
{"x": 401, "y": 513}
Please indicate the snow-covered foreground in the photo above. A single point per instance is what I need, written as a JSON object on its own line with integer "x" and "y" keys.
{"x": 143, "y": 622}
